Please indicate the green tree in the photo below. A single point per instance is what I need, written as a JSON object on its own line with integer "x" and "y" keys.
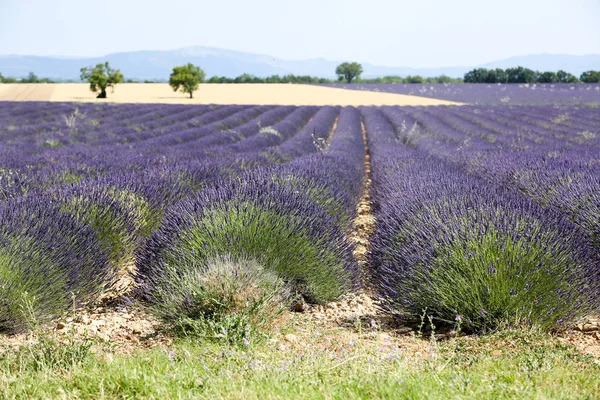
{"x": 444, "y": 79}
{"x": 521, "y": 75}
{"x": 349, "y": 71}
{"x": 31, "y": 78}
{"x": 187, "y": 77}
{"x": 548, "y": 77}
{"x": 590, "y": 77}
{"x": 497, "y": 75}
{"x": 414, "y": 79}
{"x": 565, "y": 77}
{"x": 101, "y": 77}
{"x": 478, "y": 75}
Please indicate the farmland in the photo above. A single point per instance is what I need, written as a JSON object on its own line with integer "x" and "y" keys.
{"x": 481, "y": 220}
{"x": 249, "y": 94}
{"x": 548, "y": 94}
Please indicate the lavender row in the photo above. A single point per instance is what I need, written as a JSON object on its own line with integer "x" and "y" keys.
{"x": 291, "y": 219}
{"x": 467, "y": 252}
{"x": 556, "y": 161}
{"x": 496, "y": 94}
{"x": 118, "y": 196}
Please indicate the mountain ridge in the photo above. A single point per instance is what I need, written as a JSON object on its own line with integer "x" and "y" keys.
{"x": 157, "y": 64}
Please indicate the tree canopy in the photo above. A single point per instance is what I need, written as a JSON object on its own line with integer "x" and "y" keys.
{"x": 590, "y": 77}
{"x": 518, "y": 75}
{"x": 349, "y": 71}
{"x": 101, "y": 77}
{"x": 187, "y": 78}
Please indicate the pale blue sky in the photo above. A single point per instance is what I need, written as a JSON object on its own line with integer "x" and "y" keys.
{"x": 409, "y": 33}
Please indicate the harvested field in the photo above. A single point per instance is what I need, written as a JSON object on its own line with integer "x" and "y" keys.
{"x": 255, "y": 94}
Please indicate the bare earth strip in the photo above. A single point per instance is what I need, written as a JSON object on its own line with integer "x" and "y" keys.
{"x": 256, "y": 94}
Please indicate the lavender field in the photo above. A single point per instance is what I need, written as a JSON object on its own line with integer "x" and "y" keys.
{"x": 546, "y": 94}
{"x": 483, "y": 214}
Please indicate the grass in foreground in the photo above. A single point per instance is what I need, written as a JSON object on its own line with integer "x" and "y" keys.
{"x": 307, "y": 362}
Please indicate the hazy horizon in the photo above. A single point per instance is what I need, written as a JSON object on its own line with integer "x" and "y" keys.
{"x": 428, "y": 34}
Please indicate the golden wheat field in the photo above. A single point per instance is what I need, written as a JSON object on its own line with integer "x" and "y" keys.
{"x": 258, "y": 94}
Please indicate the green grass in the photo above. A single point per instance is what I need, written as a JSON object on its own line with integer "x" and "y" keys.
{"x": 324, "y": 364}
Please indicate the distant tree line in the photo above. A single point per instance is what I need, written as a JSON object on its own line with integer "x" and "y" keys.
{"x": 248, "y": 78}
{"x": 391, "y": 79}
{"x": 526, "y": 75}
{"x": 187, "y": 78}
{"x": 290, "y": 78}
{"x": 31, "y": 78}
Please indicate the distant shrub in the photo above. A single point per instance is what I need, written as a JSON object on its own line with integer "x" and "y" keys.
{"x": 48, "y": 263}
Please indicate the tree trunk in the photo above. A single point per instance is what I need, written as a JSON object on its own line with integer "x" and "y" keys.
{"x": 191, "y": 95}
{"x": 102, "y": 94}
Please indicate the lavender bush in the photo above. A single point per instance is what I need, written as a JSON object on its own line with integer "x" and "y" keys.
{"x": 48, "y": 263}
{"x": 454, "y": 245}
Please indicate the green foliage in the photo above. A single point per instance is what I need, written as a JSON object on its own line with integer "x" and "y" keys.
{"x": 414, "y": 79}
{"x": 278, "y": 242}
{"x": 478, "y": 75}
{"x": 565, "y": 77}
{"x": 349, "y": 71}
{"x": 317, "y": 192}
{"x": 31, "y": 78}
{"x": 220, "y": 299}
{"x": 326, "y": 364}
{"x": 31, "y": 286}
{"x": 521, "y": 75}
{"x": 187, "y": 77}
{"x": 518, "y": 75}
{"x": 443, "y": 79}
{"x": 48, "y": 355}
{"x": 493, "y": 280}
{"x": 392, "y": 79}
{"x": 110, "y": 223}
{"x": 497, "y": 75}
{"x": 100, "y": 77}
{"x": 6, "y": 79}
{"x": 548, "y": 77}
{"x": 590, "y": 77}
{"x": 290, "y": 78}
{"x": 144, "y": 217}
